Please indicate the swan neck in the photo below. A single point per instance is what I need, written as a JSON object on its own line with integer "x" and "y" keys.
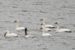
{"x": 8, "y": 32}
{"x": 17, "y": 24}
{"x": 58, "y": 28}
{"x": 43, "y": 30}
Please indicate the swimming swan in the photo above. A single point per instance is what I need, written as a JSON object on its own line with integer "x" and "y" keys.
{"x": 46, "y": 27}
{"x": 58, "y": 29}
{"x": 8, "y": 34}
{"x": 63, "y": 30}
{"x": 17, "y": 25}
{"x": 45, "y": 34}
{"x": 49, "y": 26}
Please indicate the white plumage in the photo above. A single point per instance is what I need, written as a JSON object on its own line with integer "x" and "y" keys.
{"x": 49, "y": 26}
{"x": 8, "y": 34}
{"x": 46, "y": 34}
{"x": 58, "y": 29}
{"x": 46, "y": 27}
{"x": 63, "y": 30}
{"x": 18, "y": 27}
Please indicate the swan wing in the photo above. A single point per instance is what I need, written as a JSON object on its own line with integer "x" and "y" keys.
{"x": 20, "y": 28}
{"x": 49, "y": 25}
{"x": 11, "y": 34}
{"x": 46, "y": 34}
{"x": 47, "y": 29}
{"x": 63, "y": 30}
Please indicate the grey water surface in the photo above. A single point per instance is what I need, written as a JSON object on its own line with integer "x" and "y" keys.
{"x": 29, "y": 12}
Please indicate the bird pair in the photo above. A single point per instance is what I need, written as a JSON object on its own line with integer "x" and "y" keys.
{"x": 18, "y": 28}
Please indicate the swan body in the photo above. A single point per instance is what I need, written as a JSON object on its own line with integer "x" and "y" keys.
{"x": 63, "y": 30}
{"x": 49, "y": 26}
{"x": 58, "y": 29}
{"x": 46, "y": 34}
{"x": 12, "y": 34}
{"x": 17, "y": 26}
{"x": 8, "y": 34}
{"x": 20, "y": 28}
{"x": 28, "y": 36}
{"x": 45, "y": 28}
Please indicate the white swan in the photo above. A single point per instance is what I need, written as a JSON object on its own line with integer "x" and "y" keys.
{"x": 20, "y": 28}
{"x": 44, "y": 33}
{"x": 49, "y": 26}
{"x": 17, "y": 25}
{"x": 63, "y": 30}
{"x": 46, "y": 27}
{"x": 58, "y": 29}
{"x": 8, "y": 34}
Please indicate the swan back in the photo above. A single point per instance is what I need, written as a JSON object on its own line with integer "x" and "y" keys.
{"x": 63, "y": 30}
{"x": 20, "y": 28}
{"x": 8, "y": 34}
{"x": 47, "y": 25}
{"x": 46, "y": 34}
{"x": 11, "y": 35}
{"x": 17, "y": 25}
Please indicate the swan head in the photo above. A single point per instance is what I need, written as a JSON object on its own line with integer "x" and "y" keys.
{"x": 6, "y": 33}
{"x": 43, "y": 21}
{"x": 15, "y": 21}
